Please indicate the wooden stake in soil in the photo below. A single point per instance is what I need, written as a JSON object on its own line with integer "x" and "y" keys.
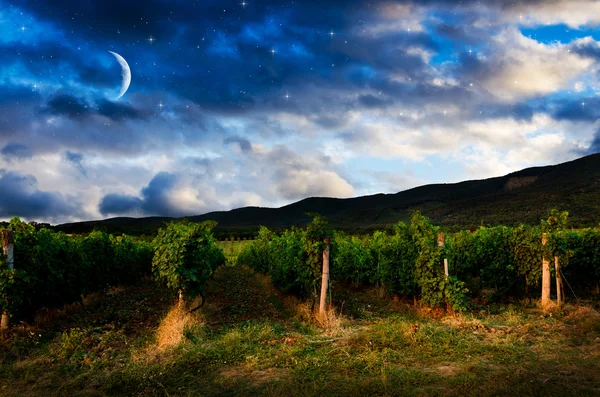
{"x": 441, "y": 241}
{"x": 559, "y": 286}
{"x": 545, "y": 276}
{"x": 325, "y": 279}
{"x": 8, "y": 250}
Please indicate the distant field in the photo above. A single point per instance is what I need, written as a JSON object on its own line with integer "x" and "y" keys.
{"x": 232, "y": 248}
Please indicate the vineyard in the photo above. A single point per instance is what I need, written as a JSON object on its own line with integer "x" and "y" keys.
{"x": 488, "y": 264}
{"x": 53, "y": 269}
{"x": 99, "y": 314}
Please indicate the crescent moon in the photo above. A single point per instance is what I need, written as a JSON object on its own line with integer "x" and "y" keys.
{"x": 125, "y": 74}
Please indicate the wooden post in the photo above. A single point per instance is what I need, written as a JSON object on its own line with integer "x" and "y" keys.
{"x": 180, "y": 301}
{"x": 8, "y": 250}
{"x": 545, "y": 277}
{"x": 441, "y": 241}
{"x": 325, "y": 279}
{"x": 559, "y": 297}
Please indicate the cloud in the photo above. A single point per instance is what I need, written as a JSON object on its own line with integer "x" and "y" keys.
{"x": 118, "y": 111}
{"x": 21, "y": 197}
{"x": 399, "y": 85}
{"x": 593, "y": 147}
{"x": 67, "y": 105}
{"x": 118, "y": 204}
{"x": 295, "y": 178}
{"x": 16, "y": 151}
{"x": 518, "y": 67}
{"x": 371, "y": 101}
{"x": 167, "y": 194}
{"x": 76, "y": 159}
{"x": 244, "y": 144}
{"x": 573, "y": 13}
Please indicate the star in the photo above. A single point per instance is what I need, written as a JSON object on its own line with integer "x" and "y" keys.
{"x": 582, "y": 103}
{"x": 331, "y": 33}
{"x": 160, "y": 105}
{"x": 243, "y": 4}
{"x": 151, "y": 39}
{"x": 287, "y": 96}
{"x": 22, "y": 29}
{"x": 273, "y": 51}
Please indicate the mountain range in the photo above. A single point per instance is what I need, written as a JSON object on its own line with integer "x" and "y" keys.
{"x": 520, "y": 197}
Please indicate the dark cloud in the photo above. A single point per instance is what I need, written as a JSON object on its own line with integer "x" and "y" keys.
{"x": 118, "y": 111}
{"x": 587, "y": 49}
{"x": 21, "y": 197}
{"x": 154, "y": 196}
{"x": 67, "y": 105}
{"x": 76, "y": 159}
{"x": 595, "y": 144}
{"x": 245, "y": 145}
{"x": 118, "y": 204}
{"x": 16, "y": 151}
{"x": 455, "y": 32}
{"x": 78, "y": 108}
{"x": 371, "y": 101}
{"x": 518, "y": 111}
{"x": 154, "y": 199}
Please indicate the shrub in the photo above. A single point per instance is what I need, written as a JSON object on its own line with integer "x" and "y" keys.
{"x": 185, "y": 256}
{"x": 55, "y": 269}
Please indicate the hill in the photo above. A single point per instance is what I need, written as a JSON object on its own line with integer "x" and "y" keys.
{"x": 520, "y": 197}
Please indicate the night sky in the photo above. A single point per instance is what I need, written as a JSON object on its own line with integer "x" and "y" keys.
{"x": 268, "y": 102}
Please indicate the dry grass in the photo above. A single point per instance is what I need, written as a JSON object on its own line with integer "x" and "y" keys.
{"x": 45, "y": 317}
{"x": 171, "y": 330}
{"x": 330, "y": 320}
{"x": 582, "y": 313}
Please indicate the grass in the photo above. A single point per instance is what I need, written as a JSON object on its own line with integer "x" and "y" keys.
{"x": 232, "y": 248}
{"x": 249, "y": 340}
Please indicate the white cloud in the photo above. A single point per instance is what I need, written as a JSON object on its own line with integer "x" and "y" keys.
{"x": 295, "y": 184}
{"x": 519, "y": 67}
{"x": 573, "y": 13}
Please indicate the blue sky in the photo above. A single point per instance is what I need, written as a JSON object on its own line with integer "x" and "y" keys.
{"x": 264, "y": 103}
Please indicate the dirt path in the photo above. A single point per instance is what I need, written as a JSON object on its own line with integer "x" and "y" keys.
{"x": 235, "y": 295}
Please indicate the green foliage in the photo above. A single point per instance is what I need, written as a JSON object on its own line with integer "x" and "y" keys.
{"x": 354, "y": 260}
{"x": 504, "y": 260}
{"x": 186, "y": 255}
{"x": 54, "y": 269}
{"x": 294, "y": 259}
{"x": 435, "y": 288}
{"x": 396, "y": 256}
{"x": 290, "y": 268}
{"x": 556, "y": 221}
{"x": 256, "y": 254}
{"x": 583, "y": 270}
{"x": 483, "y": 259}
